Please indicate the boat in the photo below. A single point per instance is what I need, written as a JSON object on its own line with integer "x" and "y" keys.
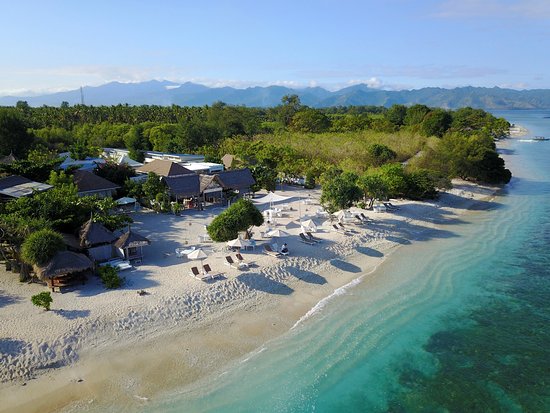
{"x": 541, "y": 138}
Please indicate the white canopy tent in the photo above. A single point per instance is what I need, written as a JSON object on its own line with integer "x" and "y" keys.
{"x": 271, "y": 198}
{"x": 126, "y": 201}
{"x": 238, "y": 243}
{"x": 309, "y": 225}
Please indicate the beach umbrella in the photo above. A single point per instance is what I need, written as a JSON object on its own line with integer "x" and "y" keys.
{"x": 309, "y": 225}
{"x": 238, "y": 243}
{"x": 342, "y": 214}
{"x": 276, "y": 233}
{"x": 197, "y": 254}
{"x": 126, "y": 201}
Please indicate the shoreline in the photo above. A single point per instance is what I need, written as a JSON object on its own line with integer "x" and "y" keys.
{"x": 134, "y": 369}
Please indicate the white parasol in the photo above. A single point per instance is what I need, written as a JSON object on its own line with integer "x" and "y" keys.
{"x": 276, "y": 233}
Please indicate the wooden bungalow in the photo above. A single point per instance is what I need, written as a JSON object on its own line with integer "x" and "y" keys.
{"x": 130, "y": 245}
{"x": 164, "y": 168}
{"x": 184, "y": 187}
{"x": 64, "y": 269}
{"x": 97, "y": 240}
{"x": 89, "y": 183}
{"x": 238, "y": 180}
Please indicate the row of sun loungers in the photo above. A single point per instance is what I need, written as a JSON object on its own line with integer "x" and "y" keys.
{"x": 206, "y": 274}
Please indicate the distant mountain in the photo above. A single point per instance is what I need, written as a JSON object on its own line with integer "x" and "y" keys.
{"x": 191, "y": 94}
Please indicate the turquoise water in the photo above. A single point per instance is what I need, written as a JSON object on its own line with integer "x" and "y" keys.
{"x": 460, "y": 323}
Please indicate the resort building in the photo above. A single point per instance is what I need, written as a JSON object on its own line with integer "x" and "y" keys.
{"x": 16, "y": 186}
{"x": 90, "y": 184}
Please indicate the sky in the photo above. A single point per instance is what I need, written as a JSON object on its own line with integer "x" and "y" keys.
{"x": 59, "y": 45}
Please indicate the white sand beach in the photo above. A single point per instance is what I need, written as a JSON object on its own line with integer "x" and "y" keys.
{"x": 100, "y": 346}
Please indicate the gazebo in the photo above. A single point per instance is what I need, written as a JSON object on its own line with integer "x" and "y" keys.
{"x": 65, "y": 268}
{"x": 130, "y": 245}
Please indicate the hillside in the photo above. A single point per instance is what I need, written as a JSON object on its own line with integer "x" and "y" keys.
{"x": 166, "y": 93}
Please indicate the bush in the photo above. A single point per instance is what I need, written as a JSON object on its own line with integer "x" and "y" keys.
{"x": 41, "y": 246}
{"x": 109, "y": 276}
{"x": 44, "y": 299}
{"x": 238, "y": 217}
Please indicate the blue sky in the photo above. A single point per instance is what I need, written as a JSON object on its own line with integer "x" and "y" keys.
{"x": 393, "y": 44}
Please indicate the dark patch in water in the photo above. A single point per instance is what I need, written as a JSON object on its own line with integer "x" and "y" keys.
{"x": 498, "y": 358}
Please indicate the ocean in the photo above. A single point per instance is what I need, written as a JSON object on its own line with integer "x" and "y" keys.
{"x": 460, "y": 323}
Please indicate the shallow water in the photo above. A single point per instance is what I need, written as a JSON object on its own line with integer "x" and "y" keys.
{"x": 457, "y": 323}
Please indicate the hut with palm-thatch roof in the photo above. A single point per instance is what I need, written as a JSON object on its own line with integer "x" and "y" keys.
{"x": 97, "y": 240}
{"x": 64, "y": 269}
{"x": 130, "y": 245}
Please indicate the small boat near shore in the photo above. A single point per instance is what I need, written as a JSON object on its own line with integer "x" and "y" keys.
{"x": 541, "y": 138}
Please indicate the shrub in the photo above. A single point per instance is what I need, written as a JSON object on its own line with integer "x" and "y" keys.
{"x": 238, "y": 217}
{"x": 41, "y": 246}
{"x": 109, "y": 276}
{"x": 44, "y": 299}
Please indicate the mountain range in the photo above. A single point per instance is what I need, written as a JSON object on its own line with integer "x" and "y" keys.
{"x": 166, "y": 93}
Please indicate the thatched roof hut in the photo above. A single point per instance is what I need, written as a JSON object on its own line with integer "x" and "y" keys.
{"x": 131, "y": 244}
{"x": 94, "y": 233}
{"x": 131, "y": 239}
{"x": 64, "y": 263}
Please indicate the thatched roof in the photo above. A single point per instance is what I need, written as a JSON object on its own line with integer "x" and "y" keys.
{"x": 131, "y": 239}
{"x": 209, "y": 182}
{"x": 89, "y": 182}
{"x": 64, "y": 263}
{"x": 164, "y": 167}
{"x": 8, "y": 160}
{"x": 183, "y": 186}
{"x": 93, "y": 233}
{"x": 236, "y": 179}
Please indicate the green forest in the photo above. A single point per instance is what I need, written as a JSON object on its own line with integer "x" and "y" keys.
{"x": 357, "y": 155}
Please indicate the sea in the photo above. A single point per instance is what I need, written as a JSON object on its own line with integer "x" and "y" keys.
{"x": 461, "y": 322}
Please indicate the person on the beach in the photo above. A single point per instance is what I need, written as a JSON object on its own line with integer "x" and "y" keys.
{"x": 284, "y": 249}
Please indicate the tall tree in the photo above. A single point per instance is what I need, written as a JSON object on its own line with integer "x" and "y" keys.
{"x": 14, "y": 137}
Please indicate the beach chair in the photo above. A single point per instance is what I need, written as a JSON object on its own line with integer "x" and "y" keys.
{"x": 194, "y": 272}
{"x": 241, "y": 260}
{"x": 305, "y": 240}
{"x": 366, "y": 218}
{"x": 229, "y": 261}
{"x": 390, "y": 206}
{"x": 269, "y": 251}
{"x": 312, "y": 238}
{"x": 343, "y": 228}
{"x": 337, "y": 229}
{"x": 361, "y": 220}
{"x": 208, "y": 273}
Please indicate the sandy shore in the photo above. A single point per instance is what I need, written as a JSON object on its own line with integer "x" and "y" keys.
{"x": 97, "y": 347}
{"x": 517, "y": 131}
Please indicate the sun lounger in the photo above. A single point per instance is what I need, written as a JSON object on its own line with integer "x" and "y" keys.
{"x": 305, "y": 240}
{"x": 241, "y": 260}
{"x": 312, "y": 238}
{"x": 390, "y": 206}
{"x": 208, "y": 273}
{"x": 337, "y": 229}
{"x": 229, "y": 261}
{"x": 237, "y": 265}
{"x": 343, "y": 228}
{"x": 269, "y": 251}
{"x": 194, "y": 272}
{"x": 361, "y": 220}
{"x": 366, "y": 218}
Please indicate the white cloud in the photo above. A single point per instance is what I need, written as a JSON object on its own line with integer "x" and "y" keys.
{"x": 532, "y": 9}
